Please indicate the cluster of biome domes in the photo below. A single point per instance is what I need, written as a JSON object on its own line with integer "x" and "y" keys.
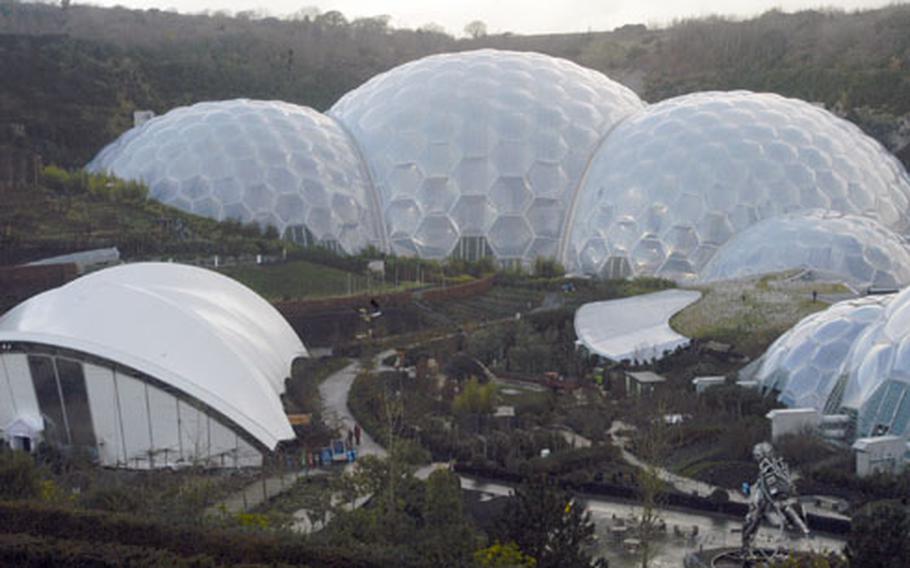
{"x": 522, "y": 155}
{"x": 852, "y": 359}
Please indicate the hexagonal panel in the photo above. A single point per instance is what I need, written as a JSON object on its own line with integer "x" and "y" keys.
{"x": 436, "y": 236}
{"x": 510, "y": 236}
{"x": 545, "y": 216}
{"x": 290, "y": 206}
{"x": 437, "y": 195}
{"x": 510, "y": 195}
{"x": 474, "y": 175}
{"x": 402, "y": 217}
{"x": 593, "y": 255}
{"x": 405, "y": 179}
{"x": 473, "y": 215}
{"x": 547, "y": 179}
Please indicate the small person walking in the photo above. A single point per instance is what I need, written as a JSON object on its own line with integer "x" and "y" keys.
{"x": 357, "y": 433}
{"x": 350, "y": 438}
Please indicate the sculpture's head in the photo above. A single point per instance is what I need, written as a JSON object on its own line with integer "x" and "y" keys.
{"x": 762, "y": 450}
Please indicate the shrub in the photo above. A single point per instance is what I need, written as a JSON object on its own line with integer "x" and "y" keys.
{"x": 19, "y": 478}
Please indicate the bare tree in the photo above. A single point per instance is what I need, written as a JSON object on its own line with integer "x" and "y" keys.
{"x": 476, "y": 29}
{"x": 432, "y": 28}
{"x": 652, "y": 445}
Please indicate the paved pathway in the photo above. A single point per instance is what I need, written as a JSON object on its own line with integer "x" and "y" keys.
{"x": 334, "y": 393}
{"x": 678, "y": 482}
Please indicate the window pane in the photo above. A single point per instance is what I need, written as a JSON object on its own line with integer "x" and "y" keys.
{"x": 45, "y": 382}
{"x": 75, "y": 396}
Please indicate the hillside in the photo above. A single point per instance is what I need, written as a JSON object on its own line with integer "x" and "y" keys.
{"x": 67, "y": 212}
{"x": 81, "y": 71}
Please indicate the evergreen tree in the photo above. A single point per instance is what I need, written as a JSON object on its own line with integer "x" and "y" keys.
{"x": 879, "y": 537}
{"x": 548, "y": 525}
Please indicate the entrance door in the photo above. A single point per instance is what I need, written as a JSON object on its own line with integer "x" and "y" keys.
{"x": 23, "y": 443}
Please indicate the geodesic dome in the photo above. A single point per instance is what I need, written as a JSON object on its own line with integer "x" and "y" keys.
{"x": 271, "y": 162}
{"x": 804, "y": 364}
{"x": 673, "y": 183}
{"x": 481, "y": 152}
{"x": 851, "y": 247}
{"x": 876, "y": 375}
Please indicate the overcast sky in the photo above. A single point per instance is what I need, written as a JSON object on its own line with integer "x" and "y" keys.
{"x": 520, "y": 16}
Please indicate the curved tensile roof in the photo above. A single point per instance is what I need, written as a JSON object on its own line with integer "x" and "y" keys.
{"x": 200, "y": 332}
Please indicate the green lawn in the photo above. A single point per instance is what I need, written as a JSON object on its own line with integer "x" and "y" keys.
{"x": 304, "y": 279}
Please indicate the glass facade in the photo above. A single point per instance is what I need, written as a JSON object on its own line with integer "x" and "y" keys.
{"x": 63, "y": 400}
{"x": 75, "y": 400}
{"x": 44, "y": 377}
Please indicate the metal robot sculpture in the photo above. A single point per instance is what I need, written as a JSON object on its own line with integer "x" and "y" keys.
{"x": 773, "y": 497}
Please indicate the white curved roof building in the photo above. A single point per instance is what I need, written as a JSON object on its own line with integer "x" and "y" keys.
{"x": 672, "y": 184}
{"x": 271, "y": 162}
{"x": 150, "y": 365}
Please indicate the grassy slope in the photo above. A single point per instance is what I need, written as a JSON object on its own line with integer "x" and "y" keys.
{"x": 750, "y": 313}
{"x": 38, "y": 222}
{"x": 296, "y": 279}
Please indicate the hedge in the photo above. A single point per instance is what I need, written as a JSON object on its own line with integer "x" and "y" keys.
{"x": 26, "y": 551}
{"x": 232, "y": 547}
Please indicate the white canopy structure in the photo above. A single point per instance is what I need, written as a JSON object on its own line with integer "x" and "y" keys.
{"x": 201, "y": 345}
{"x": 633, "y": 328}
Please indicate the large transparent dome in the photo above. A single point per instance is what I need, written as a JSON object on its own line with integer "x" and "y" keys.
{"x": 673, "y": 183}
{"x": 481, "y": 152}
{"x": 270, "y": 162}
{"x": 803, "y": 365}
{"x": 876, "y": 377}
{"x": 848, "y": 247}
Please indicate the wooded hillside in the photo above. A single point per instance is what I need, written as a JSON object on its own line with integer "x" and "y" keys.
{"x": 74, "y": 75}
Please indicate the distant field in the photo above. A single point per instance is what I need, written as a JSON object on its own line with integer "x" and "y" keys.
{"x": 301, "y": 279}
{"x": 751, "y": 313}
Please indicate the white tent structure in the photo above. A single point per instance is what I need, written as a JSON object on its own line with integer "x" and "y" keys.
{"x": 150, "y": 365}
{"x": 635, "y": 328}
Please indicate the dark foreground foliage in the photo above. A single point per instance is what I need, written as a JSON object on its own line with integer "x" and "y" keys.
{"x": 219, "y": 547}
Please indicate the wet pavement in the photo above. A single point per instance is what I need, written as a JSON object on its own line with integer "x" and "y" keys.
{"x": 685, "y": 532}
